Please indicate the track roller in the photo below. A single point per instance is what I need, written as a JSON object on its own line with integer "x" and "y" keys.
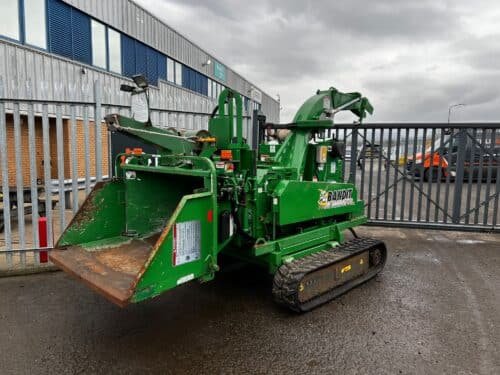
{"x": 308, "y": 282}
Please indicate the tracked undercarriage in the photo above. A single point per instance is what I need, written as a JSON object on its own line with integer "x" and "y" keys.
{"x": 308, "y": 282}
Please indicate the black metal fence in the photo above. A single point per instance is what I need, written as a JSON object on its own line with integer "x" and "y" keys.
{"x": 426, "y": 175}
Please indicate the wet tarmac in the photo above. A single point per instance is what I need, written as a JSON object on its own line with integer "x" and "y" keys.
{"x": 435, "y": 309}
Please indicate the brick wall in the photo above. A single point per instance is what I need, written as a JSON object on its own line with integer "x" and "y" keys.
{"x": 80, "y": 149}
{"x": 79, "y": 153}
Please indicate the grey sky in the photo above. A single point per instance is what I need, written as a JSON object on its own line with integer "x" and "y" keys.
{"x": 412, "y": 59}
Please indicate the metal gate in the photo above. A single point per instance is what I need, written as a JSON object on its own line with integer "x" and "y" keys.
{"x": 426, "y": 175}
{"x": 51, "y": 155}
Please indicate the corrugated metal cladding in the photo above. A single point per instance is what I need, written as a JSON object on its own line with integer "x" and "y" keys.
{"x": 131, "y": 19}
{"x": 26, "y": 73}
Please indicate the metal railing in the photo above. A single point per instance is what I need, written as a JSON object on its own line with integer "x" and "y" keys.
{"x": 426, "y": 175}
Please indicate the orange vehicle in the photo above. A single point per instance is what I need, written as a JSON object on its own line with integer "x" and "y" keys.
{"x": 428, "y": 167}
{"x": 479, "y": 163}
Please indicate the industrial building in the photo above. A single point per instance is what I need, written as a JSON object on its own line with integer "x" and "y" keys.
{"x": 70, "y": 51}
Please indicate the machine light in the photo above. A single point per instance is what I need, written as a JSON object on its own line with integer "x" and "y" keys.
{"x": 140, "y": 81}
{"x": 226, "y": 154}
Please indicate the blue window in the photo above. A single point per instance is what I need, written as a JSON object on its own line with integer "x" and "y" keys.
{"x": 194, "y": 81}
{"x": 137, "y": 58}
{"x": 128, "y": 56}
{"x": 186, "y": 77}
{"x": 82, "y": 46}
{"x": 162, "y": 66}
{"x": 199, "y": 83}
{"x": 69, "y": 32}
{"x": 192, "y": 77}
{"x": 152, "y": 65}
{"x": 141, "y": 59}
{"x": 60, "y": 28}
{"x": 204, "y": 85}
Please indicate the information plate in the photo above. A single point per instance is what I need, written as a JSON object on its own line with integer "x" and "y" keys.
{"x": 187, "y": 242}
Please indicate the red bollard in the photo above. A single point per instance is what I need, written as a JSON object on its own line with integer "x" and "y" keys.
{"x": 42, "y": 239}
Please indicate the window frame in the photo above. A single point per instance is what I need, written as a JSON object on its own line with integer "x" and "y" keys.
{"x": 23, "y": 23}
{"x": 20, "y": 17}
{"x": 178, "y": 73}
{"x": 170, "y": 70}
{"x": 105, "y": 39}
{"x": 110, "y": 31}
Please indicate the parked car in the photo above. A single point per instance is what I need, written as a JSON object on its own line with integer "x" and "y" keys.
{"x": 478, "y": 161}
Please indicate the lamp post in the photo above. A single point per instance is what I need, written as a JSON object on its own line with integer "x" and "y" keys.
{"x": 453, "y": 106}
{"x": 447, "y": 131}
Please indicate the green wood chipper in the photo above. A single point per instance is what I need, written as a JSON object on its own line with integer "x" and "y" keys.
{"x": 166, "y": 219}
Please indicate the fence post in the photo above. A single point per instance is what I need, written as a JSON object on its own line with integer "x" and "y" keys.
{"x": 97, "y": 131}
{"x": 459, "y": 176}
{"x": 5, "y": 173}
{"x": 47, "y": 161}
{"x": 255, "y": 130}
{"x": 354, "y": 152}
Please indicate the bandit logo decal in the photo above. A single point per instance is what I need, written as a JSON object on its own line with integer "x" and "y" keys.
{"x": 334, "y": 198}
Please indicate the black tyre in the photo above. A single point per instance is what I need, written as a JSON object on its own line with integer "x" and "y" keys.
{"x": 361, "y": 163}
{"x": 431, "y": 174}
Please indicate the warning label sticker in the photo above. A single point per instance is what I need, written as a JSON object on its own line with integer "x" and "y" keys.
{"x": 186, "y": 242}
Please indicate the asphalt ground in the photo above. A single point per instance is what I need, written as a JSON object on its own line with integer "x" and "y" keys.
{"x": 435, "y": 309}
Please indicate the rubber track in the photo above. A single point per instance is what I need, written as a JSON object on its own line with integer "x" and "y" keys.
{"x": 289, "y": 275}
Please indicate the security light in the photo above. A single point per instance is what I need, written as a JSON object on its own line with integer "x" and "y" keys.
{"x": 140, "y": 81}
{"x": 127, "y": 88}
{"x": 208, "y": 62}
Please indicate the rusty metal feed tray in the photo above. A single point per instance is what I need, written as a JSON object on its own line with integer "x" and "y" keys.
{"x": 135, "y": 237}
{"x": 113, "y": 272}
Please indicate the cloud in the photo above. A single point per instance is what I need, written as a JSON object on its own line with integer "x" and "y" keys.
{"x": 411, "y": 59}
